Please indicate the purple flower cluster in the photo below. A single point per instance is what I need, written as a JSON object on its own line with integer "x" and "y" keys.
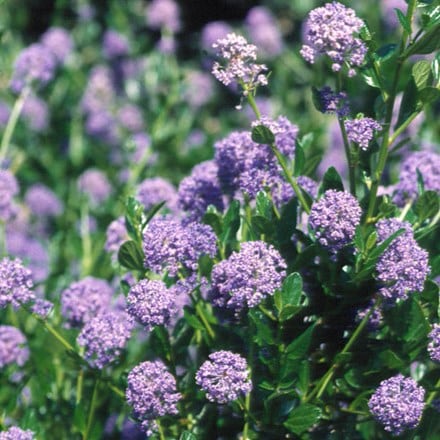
{"x": 434, "y": 344}
{"x": 15, "y": 433}
{"x": 333, "y": 102}
{"x": 104, "y": 337}
{"x": 225, "y": 377}
{"x": 199, "y": 190}
{"x": 34, "y": 64}
{"x": 151, "y": 303}
{"x": 240, "y": 57}
{"x": 403, "y": 267}
{"x": 42, "y": 201}
{"x": 331, "y": 31}
{"x": 151, "y": 392}
{"x": 13, "y": 349}
{"x": 116, "y": 234}
{"x": 247, "y": 276}
{"x": 334, "y": 219}
{"x": 398, "y": 404}
{"x": 428, "y": 165}
{"x": 170, "y": 246}
{"x": 114, "y": 44}
{"x": 8, "y": 189}
{"x": 59, "y": 42}
{"x": 84, "y": 299}
{"x": 130, "y": 117}
{"x": 36, "y": 113}
{"x": 95, "y": 185}
{"x": 42, "y": 307}
{"x": 15, "y": 283}
{"x": 361, "y": 131}
{"x": 163, "y": 14}
{"x": 284, "y": 192}
{"x": 155, "y": 190}
{"x": 213, "y": 31}
{"x": 264, "y": 31}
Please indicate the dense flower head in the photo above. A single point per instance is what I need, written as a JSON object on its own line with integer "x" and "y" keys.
{"x": 170, "y": 246}
{"x": 42, "y": 201}
{"x": 434, "y": 343}
{"x": 403, "y": 266}
{"x": 263, "y": 31}
{"x": 34, "y": 64}
{"x": 428, "y": 165}
{"x": 95, "y": 185}
{"x": 104, "y": 337}
{"x": 151, "y": 303}
{"x": 224, "y": 377}
{"x": 213, "y": 31}
{"x": 84, "y": 299}
{"x": 36, "y": 113}
{"x": 398, "y": 404}
{"x": 15, "y": 433}
{"x": 151, "y": 392}
{"x": 240, "y": 57}
{"x": 8, "y": 189}
{"x": 163, "y": 14}
{"x": 199, "y": 190}
{"x": 334, "y": 219}
{"x": 361, "y": 131}
{"x": 114, "y": 44}
{"x": 42, "y": 307}
{"x": 247, "y": 276}
{"x": 154, "y": 190}
{"x": 58, "y": 41}
{"x": 329, "y": 101}
{"x": 116, "y": 234}
{"x": 13, "y": 348}
{"x": 15, "y": 283}
{"x": 331, "y": 31}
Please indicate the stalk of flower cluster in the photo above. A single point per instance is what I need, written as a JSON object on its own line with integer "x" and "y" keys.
{"x": 12, "y": 121}
{"x": 288, "y": 175}
{"x": 91, "y": 411}
{"x": 247, "y": 402}
{"x": 384, "y": 147}
{"x": 87, "y": 260}
{"x": 348, "y": 152}
{"x": 324, "y": 381}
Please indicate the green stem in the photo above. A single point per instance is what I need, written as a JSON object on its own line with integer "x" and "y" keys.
{"x": 383, "y": 151}
{"x": 351, "y": 165}
{"x": 160, "y": 429}
{"x": 288, "y": 175}
{"x": 91, "y": 410}
{"x": 201, "y": 314}
{"x": 324, "y": 381}
{"x": 2, "y": 239}
{"x": 87, "y": 260}
{"x": 57, "y": 336}
{"x": 117, "y": 391}
{"x": 79, "y": 386}
{"x": 12, "y": 122}
{"x": 401, "y": 128}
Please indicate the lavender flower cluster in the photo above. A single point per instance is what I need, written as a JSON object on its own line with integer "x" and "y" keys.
{"x": 15, "y": 283}
{"x": 224, "y": 377}
{"x": 16, "y": 433}
{"x": 334, "y": 219}
{"x": 434, "y": 343}
{"x": 403, "y": 267}
{"x": 331, "y": 31}
{"x": 13, "y": 347}
{"x": 398, "y": 404}
{"x": 151, "y": 392}
{"x": 361, "y": 131}
{"x": 247, "y": 277}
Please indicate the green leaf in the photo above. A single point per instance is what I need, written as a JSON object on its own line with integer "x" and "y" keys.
{"x": 192, "y": 320}
{"x": 231, "y": 222}
{"x": 263, "y": 335}
{"x": 421, "y": 72}
{"x": 370, "y": 77}
{"x": 403, "y": 21}
{"x": 300, "y": 161}
{"x": 186, "y": 435}
{"x": 331, "y": 180}
{"x": 291, "y": 298}
{"x": 300, "y": 346}
{"x": 435, "y": 67}
{"x": 130, "y": 255}
{"x": 263, "y": 205}
{"x": 428, "y": 43}
{"x": 303, "y": 418}
{"x": 427, "y": 205}
{"x": 152, "y": 212}
{"x": 391, "y": 359}
{"x": 262, "y": 135}
{"x": 385, "y": 52}
{"x": 409, "y": 104}
{"x": 79, "y": 417}
{"x": 428, "y": 95}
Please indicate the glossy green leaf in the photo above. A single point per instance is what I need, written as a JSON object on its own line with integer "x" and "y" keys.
{"x": 403, "y": 21}
{"x": 300, "y": 346}
{"x": 421, "y": 72}
{"x": 300, "y": 161}
{"x": 262, "y": 135}
{"x": 186, "y": 435}
{"x": 427, "y": 205}
{"x": 302, "y": 418}
{"x": 409, "y": 104}
{"x": 130, "y": 255}
{"x": 429, "y": 42}
{"x": 428, "y": 95}
{"x": 331, "y": 180}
